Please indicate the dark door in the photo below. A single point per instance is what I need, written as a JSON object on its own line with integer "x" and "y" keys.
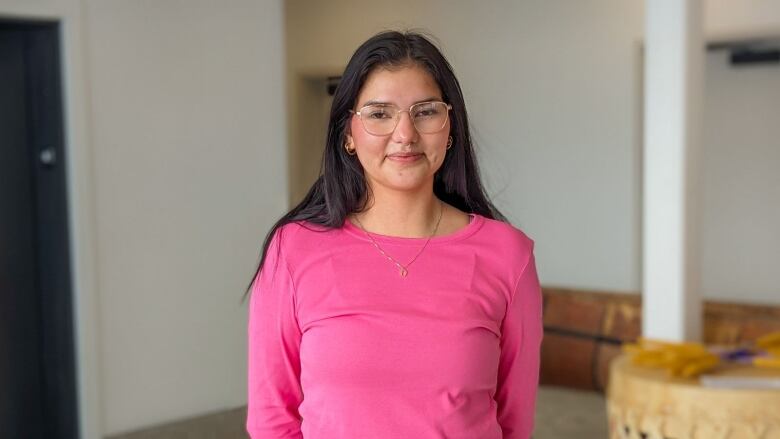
{"x": 37, "y": 373}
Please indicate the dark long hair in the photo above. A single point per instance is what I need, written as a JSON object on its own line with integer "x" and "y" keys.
{"x": 341, "y": 188}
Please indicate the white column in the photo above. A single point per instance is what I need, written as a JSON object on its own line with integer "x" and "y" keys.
{"x": 674, "y": 54}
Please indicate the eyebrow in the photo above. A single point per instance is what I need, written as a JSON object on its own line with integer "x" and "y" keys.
{"x": 373, "y": 102}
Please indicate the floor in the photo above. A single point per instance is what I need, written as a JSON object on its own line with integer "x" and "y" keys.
{"x": 566, "y": 413}
{"x": 560, "y": 414}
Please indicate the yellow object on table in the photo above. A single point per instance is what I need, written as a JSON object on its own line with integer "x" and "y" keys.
{"x": 649, "y": 403}
{"x": 770, "y": 343}
{"x": 679, "y": 359}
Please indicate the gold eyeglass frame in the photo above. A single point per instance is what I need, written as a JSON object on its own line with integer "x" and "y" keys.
{"x": 397, "y": 116}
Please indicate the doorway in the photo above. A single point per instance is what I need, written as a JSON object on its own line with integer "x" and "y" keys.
{"x": 309, "y": 128}
{"x": 37, "y": 361}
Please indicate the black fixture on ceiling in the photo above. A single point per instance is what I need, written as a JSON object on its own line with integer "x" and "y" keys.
{"x": 754, "y": 56}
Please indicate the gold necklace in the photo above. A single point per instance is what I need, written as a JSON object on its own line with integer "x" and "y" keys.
{"x": 403, "y": 270}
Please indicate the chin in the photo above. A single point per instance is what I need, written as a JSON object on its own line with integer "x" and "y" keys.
{"x": 407, "y": 181}
{"x": 405, "y": 185}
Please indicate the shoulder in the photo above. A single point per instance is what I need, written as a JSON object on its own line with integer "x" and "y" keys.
{"x": 503, "y": 252}
{"x": 508, "y": 240}
{"x": 508, "y": 234}
{"x": 291, "y": 244}
{"x": 301, "y": 237}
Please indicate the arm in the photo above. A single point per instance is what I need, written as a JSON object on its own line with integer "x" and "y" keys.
{"x": 274, "y": 390}
{"x": 518, "y": 370}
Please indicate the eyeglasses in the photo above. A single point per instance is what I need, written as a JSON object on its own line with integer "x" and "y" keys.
{"x": 381, "y": 119}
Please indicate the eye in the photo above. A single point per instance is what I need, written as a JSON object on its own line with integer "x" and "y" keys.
{"x": 377, "y": 113}
{"x": 427, "y": 110}
{"x": 425, "y": 113}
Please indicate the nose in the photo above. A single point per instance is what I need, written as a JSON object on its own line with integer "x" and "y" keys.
{"x": 405, "y": 132}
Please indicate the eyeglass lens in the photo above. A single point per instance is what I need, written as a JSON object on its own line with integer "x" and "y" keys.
{"x": 381, "y": 119}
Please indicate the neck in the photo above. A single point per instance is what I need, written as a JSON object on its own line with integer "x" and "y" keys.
{"x": 401, "y": 214}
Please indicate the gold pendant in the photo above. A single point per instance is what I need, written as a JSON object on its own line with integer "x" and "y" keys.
{"x": 402, "y": 271}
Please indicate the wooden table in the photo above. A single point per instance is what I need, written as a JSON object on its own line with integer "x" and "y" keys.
{"x": 645, "y": 403}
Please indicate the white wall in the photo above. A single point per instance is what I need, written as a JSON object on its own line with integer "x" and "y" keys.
{"x": 741, "y": 199}
{"x": 190, "y": 155}
{"x": 177, "y": 151}
{"x": 553, "y": 91}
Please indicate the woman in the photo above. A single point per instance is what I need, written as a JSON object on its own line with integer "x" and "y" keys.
{"x": 395, "y": 301}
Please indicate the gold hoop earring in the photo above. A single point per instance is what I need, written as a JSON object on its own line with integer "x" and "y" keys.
{"x": 349, "y": 151}
{"x": 449, "y": 143}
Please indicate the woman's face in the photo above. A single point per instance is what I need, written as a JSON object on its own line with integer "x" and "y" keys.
{"x": 403, "y": 88}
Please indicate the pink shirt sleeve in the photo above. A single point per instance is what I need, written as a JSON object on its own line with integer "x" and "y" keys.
{"x": 518, "y": 370}
{"x": 274, "y": 390}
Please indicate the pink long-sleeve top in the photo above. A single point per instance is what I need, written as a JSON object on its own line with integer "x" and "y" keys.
{"x": 341, "y": 346}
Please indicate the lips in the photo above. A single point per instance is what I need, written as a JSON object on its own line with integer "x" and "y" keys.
{"x": 405, "y": 157}
{"x": 405, "y": 154}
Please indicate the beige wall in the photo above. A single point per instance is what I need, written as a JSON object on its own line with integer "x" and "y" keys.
{"x": 554, "y": 96}
{"x": 741, "y": 190}
{"x": 729, "y": 19}
{"x": 177, "y": 149}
